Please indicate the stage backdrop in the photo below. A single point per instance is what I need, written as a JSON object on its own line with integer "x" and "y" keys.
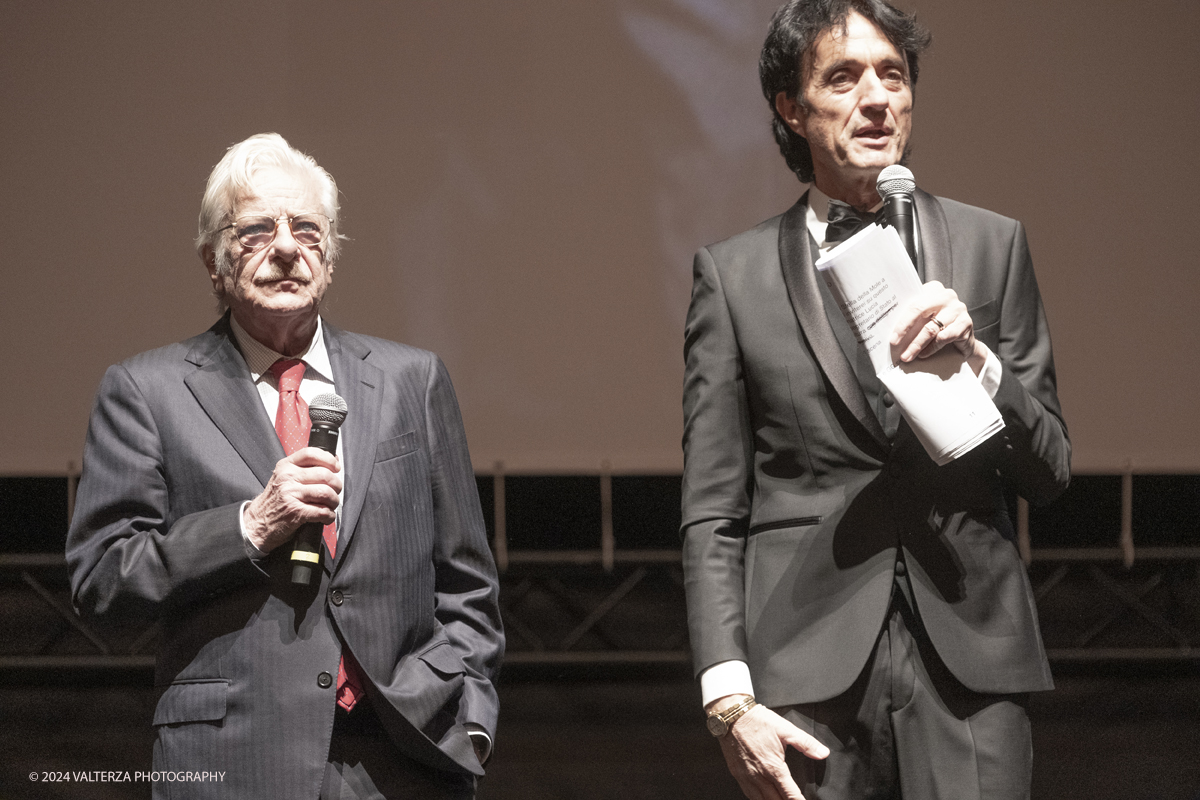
{"x": 524, "y": 184}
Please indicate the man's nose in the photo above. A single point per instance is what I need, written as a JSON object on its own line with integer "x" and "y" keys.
{"x": 874, "y": 94}
{"x": 285, "y": 245}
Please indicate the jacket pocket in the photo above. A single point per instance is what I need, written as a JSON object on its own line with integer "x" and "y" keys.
{"x": 193, "y": 701}
{"x": 443, "y": 659}
{"x": 426, "y": 687}
{"x": 395, "y": 447}
{"x": 796, "y": 522}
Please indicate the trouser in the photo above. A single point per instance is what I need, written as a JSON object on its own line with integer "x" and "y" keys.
{"x": 365, "y": 764}
{"x": 907, "y": 728}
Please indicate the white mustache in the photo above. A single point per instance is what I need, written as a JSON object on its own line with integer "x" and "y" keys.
{"x": 276, "y": 271}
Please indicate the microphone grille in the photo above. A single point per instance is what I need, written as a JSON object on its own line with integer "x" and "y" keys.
{"x": 895, "y": 180}
{"x": 328, "y": 408}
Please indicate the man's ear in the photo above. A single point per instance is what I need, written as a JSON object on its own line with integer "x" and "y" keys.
{"x": 209, "y": 257}
{"x": 792, "y": 112}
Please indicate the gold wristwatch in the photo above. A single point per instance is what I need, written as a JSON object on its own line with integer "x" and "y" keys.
{"x": 719, "y": 722}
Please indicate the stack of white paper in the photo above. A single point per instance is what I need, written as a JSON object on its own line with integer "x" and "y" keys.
{"x": 871, "y": 276}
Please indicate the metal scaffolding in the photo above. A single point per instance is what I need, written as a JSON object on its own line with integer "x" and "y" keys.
{"x": 605, "y": 605}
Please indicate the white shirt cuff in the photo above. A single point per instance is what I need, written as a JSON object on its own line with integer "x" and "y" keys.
{"x": 991, "y": 373}
{"x": 726, "y": 678}
{"x": 478, "y": 734}
{"x": 251, "y": 550}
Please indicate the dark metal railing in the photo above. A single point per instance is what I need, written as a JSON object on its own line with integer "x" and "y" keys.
{"x": 604, "y": 604}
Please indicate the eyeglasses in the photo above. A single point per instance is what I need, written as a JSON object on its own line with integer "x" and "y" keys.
{"x": 257, "y": 231}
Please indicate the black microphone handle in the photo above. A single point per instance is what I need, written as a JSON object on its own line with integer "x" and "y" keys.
{"x": 306, "y": 552}
{"x": 898, "y": 211}
{"x": 306, "y": 548}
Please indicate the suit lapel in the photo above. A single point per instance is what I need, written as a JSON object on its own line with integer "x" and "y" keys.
{"x": 935, "y": 239}
{"x": 223, "y": 387}
{"x": 800, "y": 276}
{"x": 361, "y": 386}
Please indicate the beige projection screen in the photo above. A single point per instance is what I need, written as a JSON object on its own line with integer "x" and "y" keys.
{"x": 525, "y": 182}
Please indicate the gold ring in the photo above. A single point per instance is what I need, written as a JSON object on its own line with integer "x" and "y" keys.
{"x": 941, "y": 325}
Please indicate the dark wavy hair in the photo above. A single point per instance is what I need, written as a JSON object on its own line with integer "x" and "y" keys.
{"x": 788, "y": 50}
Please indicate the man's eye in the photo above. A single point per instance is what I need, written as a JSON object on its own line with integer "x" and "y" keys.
{"x": 305, "y": 225}
{"x": 255, "y": 229}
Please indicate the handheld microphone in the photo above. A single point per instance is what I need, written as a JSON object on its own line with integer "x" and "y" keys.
{"x": 895, "y": 185}
{"x": 327, "y": 412}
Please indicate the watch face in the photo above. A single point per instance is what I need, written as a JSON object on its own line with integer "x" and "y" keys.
{"x": 717, "y": 726}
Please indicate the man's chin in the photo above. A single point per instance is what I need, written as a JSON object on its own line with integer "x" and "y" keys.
{"x": 284, "y": 305}
{"x": 868, "y": 160}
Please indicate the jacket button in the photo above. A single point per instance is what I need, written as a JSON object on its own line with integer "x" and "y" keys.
{"x": 324, "y": 680}
{"x": 900, "y": 568}
{"x": 888, "y": 399}
{"x": 335, "y": 597}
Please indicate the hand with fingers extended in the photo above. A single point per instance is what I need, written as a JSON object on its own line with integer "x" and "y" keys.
{"x": 755, "y": 747}
{"x": 934, "y": 318}
{"x": 303, "y": 488}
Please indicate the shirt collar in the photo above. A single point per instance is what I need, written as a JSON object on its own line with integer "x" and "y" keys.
{"x": 817, "y": 216}
{"x": 259, "y": 357}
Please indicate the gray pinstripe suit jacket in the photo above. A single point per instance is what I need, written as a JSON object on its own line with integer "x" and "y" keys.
{"x": 796, "y": 505}
{"x": 178, "y": 439}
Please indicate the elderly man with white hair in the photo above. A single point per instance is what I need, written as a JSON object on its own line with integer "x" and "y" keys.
{"x": 376, "y": 678}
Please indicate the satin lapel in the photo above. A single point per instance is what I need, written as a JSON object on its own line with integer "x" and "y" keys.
{"x": 935, "y": 239}
{"x": 800, "y": 276}
{"x": 223, "y": 387}
{"x": 361, "y": 386}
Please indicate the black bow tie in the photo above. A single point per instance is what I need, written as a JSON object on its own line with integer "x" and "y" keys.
{"x": 844, "y": 222}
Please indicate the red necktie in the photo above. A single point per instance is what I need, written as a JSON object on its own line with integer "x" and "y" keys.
{"x": 292, "y": 425}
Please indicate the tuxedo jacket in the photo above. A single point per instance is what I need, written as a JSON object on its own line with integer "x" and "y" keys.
{"x": 798, "y": 509}
{"x": 178, "y": 441}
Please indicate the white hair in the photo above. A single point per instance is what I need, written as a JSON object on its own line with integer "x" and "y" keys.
{"x": 233, "y": 179}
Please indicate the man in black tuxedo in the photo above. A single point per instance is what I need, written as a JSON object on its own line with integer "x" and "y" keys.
{"x": 377, "y": 679}
{"x": 860, "y": 619}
